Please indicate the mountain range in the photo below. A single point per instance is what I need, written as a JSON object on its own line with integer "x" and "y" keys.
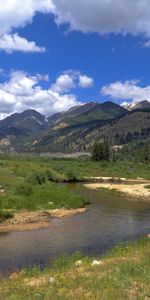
{"x": 75, "y": 129}
{"x": 137, "y": 105}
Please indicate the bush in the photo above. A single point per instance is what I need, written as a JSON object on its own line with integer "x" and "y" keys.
{"x": 5, "y": 215}
{"x": 71, "y": 176}
{"x": 36, "y": 178}
{"x": 54, "y": 176}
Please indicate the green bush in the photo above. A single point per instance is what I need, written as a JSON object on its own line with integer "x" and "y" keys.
{"x": 36, "y": 178}
{"x": 54, "y": 176}
{"x": 5, "y": 215}
{"x": 71, "y": 176}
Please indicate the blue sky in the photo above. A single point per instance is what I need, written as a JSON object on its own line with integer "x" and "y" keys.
{"x": 50, "y": 61}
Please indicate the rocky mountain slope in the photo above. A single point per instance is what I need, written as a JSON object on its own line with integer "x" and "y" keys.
{"x": 76, "y": 129}
{"x": 18, "y": 131}
{"x": 137, "y": 105}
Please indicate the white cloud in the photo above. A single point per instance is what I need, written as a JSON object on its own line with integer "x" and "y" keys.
{"x": 22, "y": 92}
{"x": 85, "y": 81}
{"x": 15, "y": 14}
{"x": 128, "y": 91}
{"x": 71, "y": 79}
{"x": 101, "y": 16}
{"x": 13, "y": 42}
{"x": 105, "y": 16}
{"x": 64, "y": 83}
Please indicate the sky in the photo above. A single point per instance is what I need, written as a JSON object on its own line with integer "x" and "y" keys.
{"x": 55, "y": 54}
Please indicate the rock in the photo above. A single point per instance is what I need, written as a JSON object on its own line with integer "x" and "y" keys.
{"x": 79, "y": 263}
{"x": 14, "y": 275}
{"x": 96, "y": 263}
{"x": 45, "y": 214}
{"x": 51, "y": 280}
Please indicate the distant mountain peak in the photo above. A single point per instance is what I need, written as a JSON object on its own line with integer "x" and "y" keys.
{"x": 143, "y": 104}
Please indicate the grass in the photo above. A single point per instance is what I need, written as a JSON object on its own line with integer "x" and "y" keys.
{"x": 40, "y": 197}
{"x": 111, "y": 191}
{"x": 81, "y": 167}
{"x": 31, "y": 185}
{"x": 30, "y": 182}
{"x": 123, "y": 275}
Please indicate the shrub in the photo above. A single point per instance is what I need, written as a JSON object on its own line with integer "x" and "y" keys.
{"x": 54, "y": 176}
{"x": 36, "y": 178}
{"x": 71, "y": 176}
{"x": 5, "y": 215}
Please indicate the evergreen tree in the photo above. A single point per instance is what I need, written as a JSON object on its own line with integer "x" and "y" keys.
{"x": 100, "y": 151}
{"x": 145, "y": 154}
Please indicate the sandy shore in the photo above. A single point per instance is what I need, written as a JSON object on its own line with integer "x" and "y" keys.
{"x": 25, "y": 220}
{"x": 103, "y": 179}
{"x": 134, "y": 187}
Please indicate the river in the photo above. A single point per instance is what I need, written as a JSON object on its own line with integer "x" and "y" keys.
{"x": 109, "y": 219}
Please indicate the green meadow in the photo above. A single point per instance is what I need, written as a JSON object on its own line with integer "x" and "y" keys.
{"x": 34, "y": 183}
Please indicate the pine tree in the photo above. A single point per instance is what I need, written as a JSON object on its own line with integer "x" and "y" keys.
{"x": 100, "y": 151}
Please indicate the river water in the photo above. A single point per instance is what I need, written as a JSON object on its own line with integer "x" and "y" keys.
{"x": 109, "y": 219}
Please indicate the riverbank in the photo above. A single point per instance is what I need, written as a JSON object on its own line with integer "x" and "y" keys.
{"x": 121, "y": 274}
{"x": 139, "y": 188}
{"x": 25, "y": 220}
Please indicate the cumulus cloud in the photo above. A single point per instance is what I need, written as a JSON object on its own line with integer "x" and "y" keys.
{"x": 128, "y": 91}
{"x": 101, "y": 16}
{"x": 71, "y": 79}
{"x": 13, "y": 42}
{"x": 16, "y": 14}
{"x": 22, "y": 91}
{"x": 64, "y": 83}
{"x": 113, "y": 16}
{"x": 85, "y": 81}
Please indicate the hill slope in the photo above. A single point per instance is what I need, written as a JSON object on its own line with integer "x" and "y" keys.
{"x": 18, "y": 130}
{"x": 74, "y": 130}
{"x": 124, "y": 129}
{"x": 66, "y": 134}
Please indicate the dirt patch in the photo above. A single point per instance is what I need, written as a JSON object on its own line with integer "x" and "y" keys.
{"x": 36, "y": 282}
{"x": 61, "y": 213}
{"x": 25, "y": 220}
